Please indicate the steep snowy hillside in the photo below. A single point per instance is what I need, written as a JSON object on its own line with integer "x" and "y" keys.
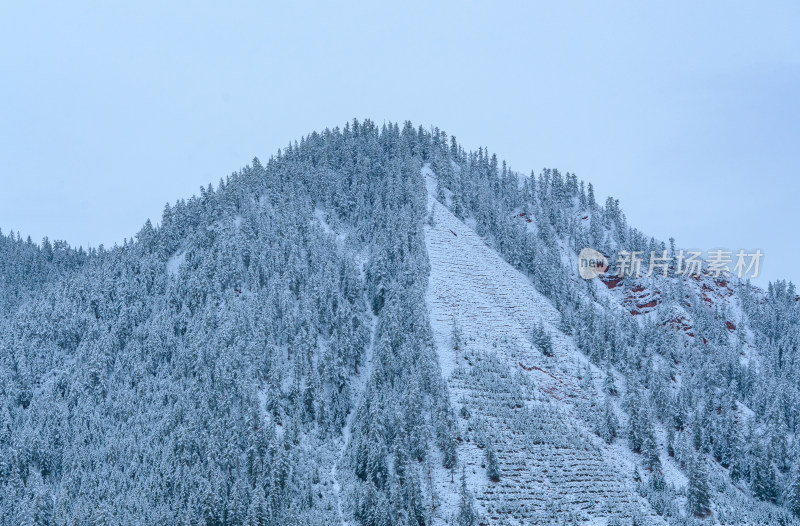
{"x": 513, "y": 398}
{"x": 674, "y": 363}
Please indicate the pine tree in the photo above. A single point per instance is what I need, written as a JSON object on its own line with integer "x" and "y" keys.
{"x": 456, "y": 336}
{"x": 541, "y": 340}
{"x": 609, "y": 386}
{"x": 467, "y": 514}
{"x": 763, "y": 476}
{"x": 650, "y": 449}
{"x": 257, "y": 510}
{"x": 793, "y": 492}
{"x": 670, "y": 440}
{"x": 26, "y": 513}
{"x": 492, "y": 469}
{"x": 636, "y": 423}
{"x": 608, "y": 424}
{"x": 103, "y": 515}
{"x": 590, "y": 196}
{"x": 698, "y": 493}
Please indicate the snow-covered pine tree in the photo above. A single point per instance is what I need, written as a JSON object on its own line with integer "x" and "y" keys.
{"x": 698, "y": 493}
{"x": 467, "y": 514}
{"x": 492, "y": 467}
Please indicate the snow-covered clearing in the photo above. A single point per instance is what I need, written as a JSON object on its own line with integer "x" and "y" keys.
{"x": 174, "y": 263}
{"x": 551, "y": 466}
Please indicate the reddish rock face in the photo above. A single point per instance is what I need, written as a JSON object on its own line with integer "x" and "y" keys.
{"x": 638, "y": 299}
{"x": 680, "y": 323}
{"x": 611, "y": 281}
{"x": 649, "y": 305}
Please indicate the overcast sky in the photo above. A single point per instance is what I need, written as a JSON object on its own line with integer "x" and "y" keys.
{"x": 687, "y": 112}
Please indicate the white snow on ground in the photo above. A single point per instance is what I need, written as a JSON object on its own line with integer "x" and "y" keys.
{"x": 262, "y": 407}
{"x": 319, "y": 215}
{"x": 550, "y": 464}
{"x": 359, "y": 387}
{"x": 174, "y": 263}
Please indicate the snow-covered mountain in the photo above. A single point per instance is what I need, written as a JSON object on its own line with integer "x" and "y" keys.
{"x": 379, "y": 328}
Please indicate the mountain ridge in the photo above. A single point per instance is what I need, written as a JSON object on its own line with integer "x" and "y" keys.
{"x": 271, "y": 353}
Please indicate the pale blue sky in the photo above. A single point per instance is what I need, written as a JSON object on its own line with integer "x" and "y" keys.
{"x": 688, "y": 112}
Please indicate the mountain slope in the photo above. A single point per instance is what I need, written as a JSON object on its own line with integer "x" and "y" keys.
{"x": 518, "y": 399}
{"x": 377, "y": 327}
